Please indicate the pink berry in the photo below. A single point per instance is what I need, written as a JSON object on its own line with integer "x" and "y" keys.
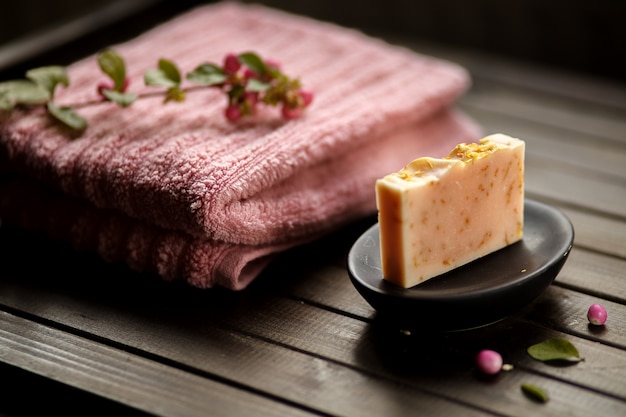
{"x": 306, "y": 96}
{"x": 248, "y": 73}
{"x": 109, "y": 85}
{"x": 289, "y": 113}
{"x": 104, "y": 86}
{"x": 489, "y": 361}
{"x": 231, "y": 64}
{"x": 232, "y": 113}
{"x": 597, "y": 314}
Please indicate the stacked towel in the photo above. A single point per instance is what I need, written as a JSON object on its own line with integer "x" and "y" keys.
{"x": 177, "y": 190}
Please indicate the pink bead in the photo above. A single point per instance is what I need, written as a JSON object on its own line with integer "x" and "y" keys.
{"x": 306, "y": 96}
{"x": 232, "y": 113}
{"x": 104, "y": 86}
{"x": 231, "y": 64}
{"x": 597, "y": 314}
{"x": 489, "y": 361}
{"x": 109, "y": 85}
{"x": 291, "y": 113}
{"x": 248, "y": 73}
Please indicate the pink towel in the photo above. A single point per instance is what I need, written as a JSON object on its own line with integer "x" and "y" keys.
{"x": 177, "y": 190}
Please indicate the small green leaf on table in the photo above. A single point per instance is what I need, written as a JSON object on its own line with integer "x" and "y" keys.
{"x": 535, "y": 393}
{"x": 554, "y": 350}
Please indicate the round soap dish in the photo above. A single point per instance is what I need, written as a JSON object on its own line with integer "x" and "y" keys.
{"x": 481, "y": 292}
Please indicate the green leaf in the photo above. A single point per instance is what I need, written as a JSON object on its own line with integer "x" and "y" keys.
{"x": 67, "y": 116}
{"x": 274, "y": 72}
{"x": 122, "y": 99}
{"x": 207, "y": 74}
{"x": 49, "y": 77}
{"x": 254, "y": 62}
{"x": 535, "y": 393}
{"x": 554, "y": 350}
{"x": 158, "y": 78}
{"x": 113, "y": 65}
{"x": 6, "y": 103}
{"x": 21, "y": 92}
{"x": 170, "y": 70}
{"x": 167, "y": 75}
{"x": 257, "y": 86}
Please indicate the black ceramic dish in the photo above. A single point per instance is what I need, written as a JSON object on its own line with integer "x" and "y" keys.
{"x": 479, "y": 293}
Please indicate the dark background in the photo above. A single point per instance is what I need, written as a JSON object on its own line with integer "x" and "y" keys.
{"x": 578, "y": 36}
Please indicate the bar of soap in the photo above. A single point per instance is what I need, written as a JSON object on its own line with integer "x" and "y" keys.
{"x": 435, "y": 215}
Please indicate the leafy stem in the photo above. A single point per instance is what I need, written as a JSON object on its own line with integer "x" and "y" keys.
{"x": 246, "y": 79}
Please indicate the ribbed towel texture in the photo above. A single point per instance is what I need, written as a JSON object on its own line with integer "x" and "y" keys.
{"x": 177, "y": 190}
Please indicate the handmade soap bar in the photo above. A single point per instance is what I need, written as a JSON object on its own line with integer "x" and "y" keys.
{"x": 435, "y": 215}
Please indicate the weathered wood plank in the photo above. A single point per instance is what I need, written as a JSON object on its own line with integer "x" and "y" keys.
{"x": 199, "y": 332}
{"x": 303, "y": 337}
{"x": 53, "y": 398}
{"x": 566, "y": 311}
{"x": 523, "y": 75}
{"x": 595, "y": 274}
{"x": 553, "y": 113}
{"x": 352, "y": 343}
{"x": 199, "y": 350}
{"x": 133, "y": 380}
{"x": 586, "y": 192}
{"x": 597, "y": 233}
{"x": 314, "y": 379}
{"x": 556, "y": 145}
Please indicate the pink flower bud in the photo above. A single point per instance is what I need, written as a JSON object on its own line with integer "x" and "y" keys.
{"x": 231, "y": 64}
{"x": 597, "y": 315}
{"x": 248, "y": 73}
{"x": 232, "y": 113}
{"x": 489, "y": 361}
{"x": 306, "y": 96}
{"x": 110, "y": 85}
{"x": 104, "y": 85}
{"x": 289, "y": 113}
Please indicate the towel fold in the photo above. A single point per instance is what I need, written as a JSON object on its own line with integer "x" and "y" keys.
{"x": 177, "y": 190}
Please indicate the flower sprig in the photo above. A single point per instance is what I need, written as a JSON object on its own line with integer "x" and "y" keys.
{"x": 246, "y": 79}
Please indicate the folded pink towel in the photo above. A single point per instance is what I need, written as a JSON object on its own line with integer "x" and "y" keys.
{"x": 177, "y": 190}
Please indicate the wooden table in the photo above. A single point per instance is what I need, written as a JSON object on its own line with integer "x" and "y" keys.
{"x": 78, "y": 335}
